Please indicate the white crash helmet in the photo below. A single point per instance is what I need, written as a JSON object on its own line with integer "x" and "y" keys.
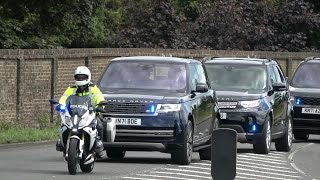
{"x": 82, "y": 75}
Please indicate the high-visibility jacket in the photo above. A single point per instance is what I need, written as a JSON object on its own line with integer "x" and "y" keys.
{"x": 97, "y": 96}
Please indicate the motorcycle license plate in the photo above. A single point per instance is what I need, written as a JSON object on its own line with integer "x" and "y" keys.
{"x": 128, "y": 121}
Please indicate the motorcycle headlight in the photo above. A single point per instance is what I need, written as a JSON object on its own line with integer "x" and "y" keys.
{"x": 165, "y": 108}
{"x": 250, "y": 104}
{"x": 68, "y": 121}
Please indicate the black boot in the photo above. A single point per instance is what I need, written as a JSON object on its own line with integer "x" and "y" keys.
{"x": 59, "y": 146}
{"x": 99, "y": 148}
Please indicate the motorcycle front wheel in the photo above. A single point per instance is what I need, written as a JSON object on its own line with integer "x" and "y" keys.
{"x": 73, "y": 156}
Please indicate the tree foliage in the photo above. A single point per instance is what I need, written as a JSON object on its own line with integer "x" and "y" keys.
{"x": 268, "y": 25}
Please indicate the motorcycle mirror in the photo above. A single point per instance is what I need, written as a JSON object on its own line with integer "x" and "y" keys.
{"x": 52, "y": 101}
{"x": 100, "y": 109}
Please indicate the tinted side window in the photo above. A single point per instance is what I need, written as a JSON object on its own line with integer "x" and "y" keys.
{"x": 193, "y": 76}
{"x": 201, "y": 74}
{"x": 281, "y": 74}
{"x": 197, "y": 75}
{"x": 272, "y": 75}
{"x": 277, "y": 75}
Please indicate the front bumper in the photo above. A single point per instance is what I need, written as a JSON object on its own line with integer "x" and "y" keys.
{"x": 163, "y": 132}
{"x": 242, "y": 121}
{"x": 307, "y": 123}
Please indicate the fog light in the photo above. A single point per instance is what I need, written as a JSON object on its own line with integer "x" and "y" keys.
{"x": 298, "y": 101}
{"x": 254, "y": 127}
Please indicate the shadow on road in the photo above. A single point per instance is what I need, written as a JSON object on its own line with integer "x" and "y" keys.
{"x": 25, "y": 171}
{"x": 316, "y": 141}
{"x": 137, "y": 160}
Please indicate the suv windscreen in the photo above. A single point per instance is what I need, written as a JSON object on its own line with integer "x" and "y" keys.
{"x": 307, "y": 76}
{"x": 237, "y": 77}
{"x": 145, "y": 76}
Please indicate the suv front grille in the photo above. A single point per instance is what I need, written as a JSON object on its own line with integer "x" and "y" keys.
{"x": 310, "y": 101}
{"x": 127, "y": 108}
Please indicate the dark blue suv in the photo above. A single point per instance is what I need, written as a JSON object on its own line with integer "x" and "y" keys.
{"x": 253, "y": 99}
{"x": 160, "y": 104}
{"x": 305, "y": 97}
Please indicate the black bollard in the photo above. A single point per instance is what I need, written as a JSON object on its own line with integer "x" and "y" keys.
{"x": 223, "y": 154}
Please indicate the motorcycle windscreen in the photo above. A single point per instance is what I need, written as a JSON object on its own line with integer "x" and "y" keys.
{"x": 78, "y": 105}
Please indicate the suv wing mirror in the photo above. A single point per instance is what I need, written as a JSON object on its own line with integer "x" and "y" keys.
{"x": 279, "y": 86}
{"x": 202, "y": 87}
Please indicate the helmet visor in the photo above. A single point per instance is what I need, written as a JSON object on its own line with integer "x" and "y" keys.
{"x": 80, "y": 77}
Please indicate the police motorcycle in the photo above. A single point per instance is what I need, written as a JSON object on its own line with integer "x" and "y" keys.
{"x": 78, "y": 133}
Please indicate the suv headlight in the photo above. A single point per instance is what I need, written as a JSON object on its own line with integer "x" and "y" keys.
{"x": 250, "y": 104}
{"x": 165, "y": 108}
{"x": 292, "y": 100}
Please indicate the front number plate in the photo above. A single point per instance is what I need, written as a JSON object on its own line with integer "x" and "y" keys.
{"x": 311, "y": 110}
{"x": 223, "y": 115}
{"x": 128, "y": 121}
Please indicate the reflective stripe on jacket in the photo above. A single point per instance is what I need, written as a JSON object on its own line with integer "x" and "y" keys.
{"x": 97, "y": 96}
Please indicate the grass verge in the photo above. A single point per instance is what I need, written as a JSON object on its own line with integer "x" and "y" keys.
{"x": 18, "y": 135}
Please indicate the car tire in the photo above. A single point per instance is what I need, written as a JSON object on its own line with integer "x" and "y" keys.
{"x": 285, "y": 142}
{"x": 183, "y": 156}
{"x": 301, "y": 136}
{"x": 115, "y": 153}
{"x": 205, "y": 153}
{"x": 263, "y": 143}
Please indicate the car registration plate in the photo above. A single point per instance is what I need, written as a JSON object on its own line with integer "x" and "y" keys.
{"x": 223, "y": 115}
{"x": 128, "y": 121}
{"x": 311, "y": 110}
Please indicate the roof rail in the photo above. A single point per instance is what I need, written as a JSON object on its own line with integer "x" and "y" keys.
{"x": 206, "y": 58}
{"x": 311, "y": 58}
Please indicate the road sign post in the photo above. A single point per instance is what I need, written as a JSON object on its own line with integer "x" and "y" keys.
{"x": 223, "y": 154}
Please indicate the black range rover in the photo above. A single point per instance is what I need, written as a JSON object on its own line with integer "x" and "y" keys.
{"x": 159, "y": 104}
{"x": 305, "y": 97}
{"x": 253, "y": 99}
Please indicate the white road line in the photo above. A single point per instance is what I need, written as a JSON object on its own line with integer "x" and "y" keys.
{"x": 297, "y": 169}
{"x": 196, "y": 167}
{"x": 184, "y": 170}
{"x": 251, "y": 163}
{"x": 260, "y": 176}
{"x": 181, "y": 174}
{"x": 278, "y": 153}
{"x": 259, "y": 160}
{"x": 263, "y": 155}
{"x": 291, "y": 158}
{"x": 264, "y": 158}
{"x": 139, "y": 178}
{"x": 204, "y": 164}
{"x": 277, "y": 174}
{"x": 242, "y": 177}
{"x": 270, "y": 169}
{"x": 294, "y": 152}
{"x": 168, "y": 177}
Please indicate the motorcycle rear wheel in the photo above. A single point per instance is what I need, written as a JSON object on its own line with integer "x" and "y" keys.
{"x": 73, "y": 156}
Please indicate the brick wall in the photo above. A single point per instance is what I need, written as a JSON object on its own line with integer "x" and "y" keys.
{"x": 8, "y": 90}
{"x": 29, "y": 78}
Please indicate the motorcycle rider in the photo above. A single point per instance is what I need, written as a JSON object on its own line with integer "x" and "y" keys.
{"x": 84, "y": 87}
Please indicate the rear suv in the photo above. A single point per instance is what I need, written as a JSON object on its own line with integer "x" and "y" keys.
{"x": 253, "y": 99}
{"x": 305, "y": 97}
{"x": 159, "y": 104}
